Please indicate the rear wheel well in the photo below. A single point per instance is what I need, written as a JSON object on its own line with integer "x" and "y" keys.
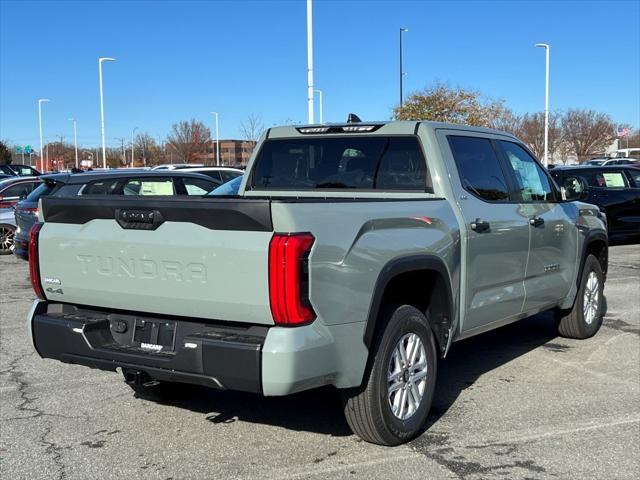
{"x": 425, "y": 290}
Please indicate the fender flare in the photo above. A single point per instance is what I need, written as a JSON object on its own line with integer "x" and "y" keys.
{"x": 398, "y": 266}
{"x": 590, "y": 237}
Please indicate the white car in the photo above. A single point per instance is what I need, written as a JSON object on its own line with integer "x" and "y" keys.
{"x": 176, "y": 166}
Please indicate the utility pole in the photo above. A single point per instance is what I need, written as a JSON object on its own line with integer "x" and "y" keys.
{"x": 132, "y": 144}
{"x": 61, "y": 151}
{"x": 402, "y": 30}
{"x": 104, "y": 149}
{"x": 310, "y": 61}
{"x": 40, "y": 102}
{"x": 124, "y": 156}
{"x": 546, "y": 103}
{"x": 75, "y": 139}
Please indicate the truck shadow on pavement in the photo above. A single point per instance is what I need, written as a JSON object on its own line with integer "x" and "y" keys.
{"x": 320, "y": 410}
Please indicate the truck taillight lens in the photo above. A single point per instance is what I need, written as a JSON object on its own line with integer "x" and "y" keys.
{"x": 34, "y": 261}
{"x": 289, "y": 279}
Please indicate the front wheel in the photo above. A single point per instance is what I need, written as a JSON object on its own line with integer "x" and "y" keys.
{"x": 585, "y": 318}
{"x": 392, "y": 404}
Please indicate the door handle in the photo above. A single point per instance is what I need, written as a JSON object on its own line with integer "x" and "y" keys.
{"x": 536, "y": 221}
{"x": 480, "y": 226}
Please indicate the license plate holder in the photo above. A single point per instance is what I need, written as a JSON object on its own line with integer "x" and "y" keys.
{"x": 154, "y": 335}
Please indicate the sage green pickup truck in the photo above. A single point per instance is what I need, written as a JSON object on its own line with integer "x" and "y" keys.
{"x": 353, "y": 255}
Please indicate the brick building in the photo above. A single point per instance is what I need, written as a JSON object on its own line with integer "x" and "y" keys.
{"x": 233, "y": 153}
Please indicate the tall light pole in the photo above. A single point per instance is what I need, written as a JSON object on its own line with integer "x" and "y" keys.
{"x": 132, "y": 143}
{"x": 546, "y": 103}
{"x": 310, "y": 60}
{"x": 75, "y": 138}
{"x": 217, "y": 139}
{"x": 319, "y": 92}
{"x": 40, "y": 102}
{"x": 402, "y": 30}
{"x": 104, "y": 148}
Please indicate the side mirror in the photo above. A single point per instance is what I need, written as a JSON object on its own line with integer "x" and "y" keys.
{"x": 574, "y": 188}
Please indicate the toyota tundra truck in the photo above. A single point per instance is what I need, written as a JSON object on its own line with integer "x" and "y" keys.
{"x": 353, "y": 255}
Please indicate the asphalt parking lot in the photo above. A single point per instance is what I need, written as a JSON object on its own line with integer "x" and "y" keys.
{"x": 516, "y": 403}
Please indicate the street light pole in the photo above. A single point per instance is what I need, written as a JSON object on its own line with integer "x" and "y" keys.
{"x": 217, "y": 140}
{"x": 310, "y": 61}
{"x": 132, "y": 139}
{"x": 40, "y": 102}
{"x": 75, "y": 138}
{"x": 104, "y": 148}
{"x": 546, "y": 103}
{"x": 319, "y": 92}
{"x": 402, "y": 30}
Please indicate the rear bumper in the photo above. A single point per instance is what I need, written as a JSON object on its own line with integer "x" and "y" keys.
{"x": 269, "y": 360}
{"x": 204, "y": 354}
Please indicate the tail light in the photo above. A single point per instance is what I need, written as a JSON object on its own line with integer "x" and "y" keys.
{"x": 289, "y": 279}
{"x": 31, "y": 210}
{"x": 34, "y": 260}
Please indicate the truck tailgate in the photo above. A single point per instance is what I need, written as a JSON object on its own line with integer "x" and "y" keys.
{"x": 204, "y": 258}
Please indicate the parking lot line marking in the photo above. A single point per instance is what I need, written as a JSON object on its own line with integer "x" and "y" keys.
{"x": 558, "y": 433}
{"x": 604, "y": 346}
{"x": 327, "y": 471}
{"x": 608, "y": 376}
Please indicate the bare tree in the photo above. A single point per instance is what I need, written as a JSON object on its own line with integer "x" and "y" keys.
{"x": 532, "y": 132}
{"x": 188, "y": 138}
{"x": 252, "y": 128}
{"x": 507, "y": 121}
{"x": 587, "y": 132}
{"x": 147, "y": 149}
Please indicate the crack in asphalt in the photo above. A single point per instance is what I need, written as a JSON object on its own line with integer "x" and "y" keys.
{"x": 27, "y": 404}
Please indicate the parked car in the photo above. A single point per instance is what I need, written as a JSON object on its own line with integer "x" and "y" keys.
{"x": 115, "y": 182}
{"x": 19, "y": 170}
{"x": 218, "y": 174}
{"x": 7, "y": 230}
{"x": 176, "y": 166}
{"x": 605, "y": 161}
{"x": 615, "y": 189}
{"x": 621, "y": 161}
{"x": 15, "y": 188}
{"x": 353, "y": 255}
{"x": 597, "y": 161}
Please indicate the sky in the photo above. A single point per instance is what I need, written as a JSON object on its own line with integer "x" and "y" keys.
{"x": 177, "y": 60}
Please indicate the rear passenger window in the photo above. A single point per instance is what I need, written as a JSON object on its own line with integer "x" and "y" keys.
{"x": 196, "y": 186}
{"x": 102, "y": 187}
{"x": 532, "y": 182}
{"x": 148, "y": 187}
{"x": 479, "y": 167}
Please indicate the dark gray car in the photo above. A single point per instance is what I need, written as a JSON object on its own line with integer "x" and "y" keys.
{"x": 121, "y": 182}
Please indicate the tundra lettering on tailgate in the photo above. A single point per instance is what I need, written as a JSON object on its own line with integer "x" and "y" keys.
{"x": 145, "y": 269}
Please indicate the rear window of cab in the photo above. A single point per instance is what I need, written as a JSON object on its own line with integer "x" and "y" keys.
{"x": 342, "y": 163}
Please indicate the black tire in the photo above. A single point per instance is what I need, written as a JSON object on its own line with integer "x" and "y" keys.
{"x": 573, "y": 323}
{"x": 367, "y": 408}
{"x": 7, "y": 238}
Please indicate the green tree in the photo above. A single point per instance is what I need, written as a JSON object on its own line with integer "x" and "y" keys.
{"x": 442, "y": 103}
{"x": 5, "y": 153}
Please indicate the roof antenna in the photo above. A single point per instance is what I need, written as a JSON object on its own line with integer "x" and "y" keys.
{"x": 353, "y": 118}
